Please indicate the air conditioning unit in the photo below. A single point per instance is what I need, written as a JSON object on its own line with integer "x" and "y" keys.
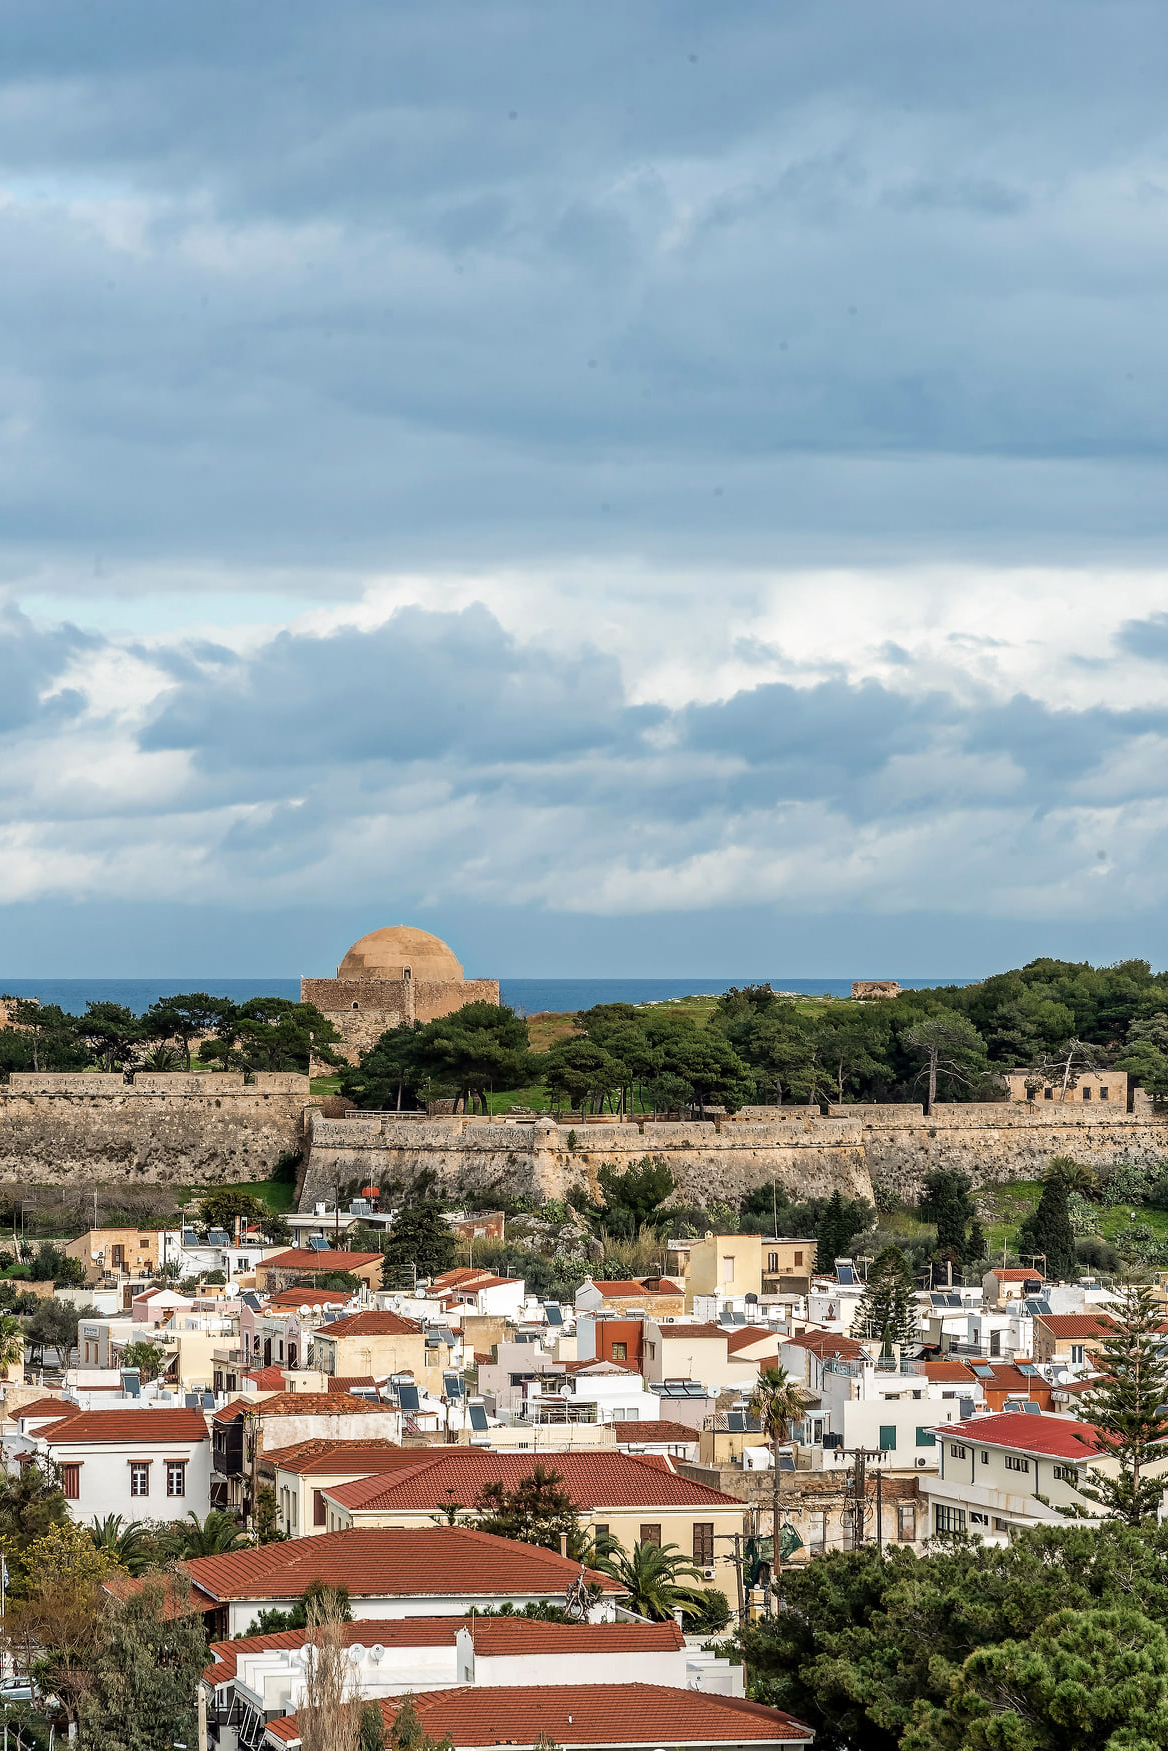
{"x": 921, "y": 1464}
{"x": 709, "y": 1574}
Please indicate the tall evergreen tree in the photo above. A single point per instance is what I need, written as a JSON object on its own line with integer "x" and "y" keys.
{"x": 887, "y": 1310}
{"x": 830, "y": 1243}
{"x": 947, "y": 1203}
{"x": 1129, "y": 1408}
{"x": 420, "y": 1240}
{"x": 1049, "y": 1231}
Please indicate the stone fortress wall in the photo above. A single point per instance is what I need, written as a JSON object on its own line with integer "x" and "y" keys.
{"x": 199, "y": 1129}
{"x": 853, "y": 1148}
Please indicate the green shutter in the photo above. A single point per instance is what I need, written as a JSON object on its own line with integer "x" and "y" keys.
{"x": 887, "y": 1437}
{"x": 926, "y": 1438}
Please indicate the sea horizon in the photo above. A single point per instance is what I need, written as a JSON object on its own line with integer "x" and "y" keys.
{"x": 525, "y": 996}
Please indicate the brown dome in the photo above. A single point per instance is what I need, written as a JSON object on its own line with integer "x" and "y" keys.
{"x": 386, "y": 954}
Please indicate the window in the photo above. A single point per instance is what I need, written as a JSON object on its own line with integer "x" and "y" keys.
{"x": 906, "y": 1523}
{"x": 926, "y": 1438}
{"x": 887, "y": 1437}
{"x": 1078, "y": 1351}
{"x": 1048, "y": 1094}
{"x": 950, "y": 1519}
{"x": 71, "y": 1481}
{"x": 976, "y": 1519}
{"x": 703, "y": 1544}
{"x": 727, "y": 1270}
{"x": 1001, "y": 1525}
{"x": 1014, "y": 1462}
{"x": 119, "y": 1255}
{"x": 1086, "y": 1094}
{"x": 599, "y": 1532}
{"x": 772, "y": 1262}
{"x": 798, "y": 1260}
{"x": 319, "y": 1516}
{"x": 1067, "y": 1473}
{"x": 176, "y": 1477}
{"x": 650, "y": 1533}
{"x": 139, "y": 1478}
{"x": 956, "y": 1452}
{"x": 985, "y": 1458}
{"x": 1104, "y": 1092}
{"x": 995, "y": 1343}
{"x": 620, "y": 1352}
{"x": 817, "y": 1535}
{"x": 651, "y": 1351}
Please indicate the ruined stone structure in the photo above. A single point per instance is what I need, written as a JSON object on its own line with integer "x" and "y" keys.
{"x": 867, "y": 990}
{"x": 389, "y": 979}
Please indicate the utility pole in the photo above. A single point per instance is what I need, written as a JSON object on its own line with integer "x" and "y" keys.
{"x": 879, "y": 1511}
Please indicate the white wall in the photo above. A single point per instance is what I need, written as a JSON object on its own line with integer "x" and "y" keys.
{"x": 105, "y": 1478}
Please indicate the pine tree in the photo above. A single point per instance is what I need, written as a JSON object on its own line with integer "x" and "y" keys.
{"x": 887, "y": 1310}
{"x": 1049, "y": 1231}
{"x": 977, "y": 1246}
{"x": 830, "y": 1243}
{"x": 1129, "y": 1408}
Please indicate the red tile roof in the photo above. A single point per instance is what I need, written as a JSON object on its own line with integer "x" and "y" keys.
{"x": 288, "y": 1300}
{"x": 826, "y": 1343}
{"x": 270, "y": 1379}
{"x": 126, "y": 1427}
{"x": 387, "y": 1562}
{"x": 1008, "y": 1378}
{"x": 653, "y": 1430}
{"x": 593, "y": 1480}
{"x": 1020, "y": 1432}
{"x": 47, "y": 1407}
{"x": 177, "y": 1603}
{"x": 680, "y": 1332}
{"x": 300, "y": 1258}
{"x": 299, "y": 1404}
{"x": 1076, "y": 1325}
{"x": 955, "y": 1372}
{"x": 587, "y": 1715}
{"x": 370, "y": 1324}
{"x": 1015, "y": 1276}
{"x": 744, "y": 1336}
{"x": 492, "y": 1636}
{"x": 322, "y": 1456}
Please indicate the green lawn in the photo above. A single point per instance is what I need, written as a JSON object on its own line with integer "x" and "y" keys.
{"x": 278, "y": 1195}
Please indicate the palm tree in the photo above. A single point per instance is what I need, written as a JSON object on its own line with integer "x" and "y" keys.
{"x": 1074, "y": 1175}
{"x": 650, "y": 1578}
{"x": 217, "y": 1533}
{"x": 126, "y": 1544}
{"x": 777, "y": 1402}
{"x": 11, "y": 1344}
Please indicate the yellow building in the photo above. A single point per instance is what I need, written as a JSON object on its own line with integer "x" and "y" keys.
{"x": 116, "y": 1252}
{"x": 380, "y": 1344}
{"x": 733, "y": 1265}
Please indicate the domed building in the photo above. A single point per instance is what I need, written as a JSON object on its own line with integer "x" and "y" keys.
{"x": 390, "y": 978}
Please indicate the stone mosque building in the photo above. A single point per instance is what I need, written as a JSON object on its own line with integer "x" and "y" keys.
{"x": 390, "y": 978}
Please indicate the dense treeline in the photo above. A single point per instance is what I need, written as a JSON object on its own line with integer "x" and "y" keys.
{"x": 1056, "y": 1017}
{"x": 265, "y": 1033}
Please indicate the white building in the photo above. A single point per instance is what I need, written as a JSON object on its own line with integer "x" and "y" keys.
{"x": 141, "y": 1463}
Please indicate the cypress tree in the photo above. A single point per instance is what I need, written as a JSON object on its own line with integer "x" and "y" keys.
{"x": 830, "y": 1241}
{"x": 947, "y": 1203}
{"x": 1129, "y": 1407}
{"x": 977, "y": 1246}
{"x": 1049, "y": 1231}
{"x": 887, "y": 1310}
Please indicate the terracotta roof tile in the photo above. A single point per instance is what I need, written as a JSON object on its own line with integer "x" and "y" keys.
{"x": 956, "y": 1372}
{"x": 1076, "y": 1325}
{"x": 304, "y": 1259}
{"x": 593, "y": 1480}
{"x": 126, "y": 1427}
{"x": 427, "y": 1562}
{"x": 654, "y": 1429}
{"x": 313, "y": 1458}
{"x": 492, "y": 1636}
{"x": 596, "y": 1714}
{"x": 744, "y": 1336}
{"x": 629, "y": 1286}
{"x": 288, "y": 1300}
{"x": 299, "y": 1404}
{"x": 370, "y": 1324}
{"x": 1015, "y": 1276}
{"x": 1019, "y": 1431}
{"x": 46, "y": 1407}
{"x": 826, "y": 1343}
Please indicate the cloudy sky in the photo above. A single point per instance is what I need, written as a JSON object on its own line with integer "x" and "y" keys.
{"x": 637, "y": 488}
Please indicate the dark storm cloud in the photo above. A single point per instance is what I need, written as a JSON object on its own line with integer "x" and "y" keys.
{"x": 30, "y": 662}
{"x": 422, "y": 687}
{"x": 449, "y": 281}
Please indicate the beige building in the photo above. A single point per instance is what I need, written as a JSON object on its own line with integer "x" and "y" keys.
{"x": 379, "y": 1344}
{"x": 633, "y": 1498}
{"x": 390, "y": 979}
{"x": 116, "y": 1252}
{"x": 1090, "y": 1088}
{"x": 718, "y": 1357}
{"x": 301, "y": 1474}
{"x": 733, "y": 1265}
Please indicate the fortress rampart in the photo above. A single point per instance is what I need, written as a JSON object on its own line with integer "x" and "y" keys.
{"x": 196, "y": 1130}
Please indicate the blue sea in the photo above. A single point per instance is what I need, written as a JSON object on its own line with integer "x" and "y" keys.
{"x": 528, "y": 996}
